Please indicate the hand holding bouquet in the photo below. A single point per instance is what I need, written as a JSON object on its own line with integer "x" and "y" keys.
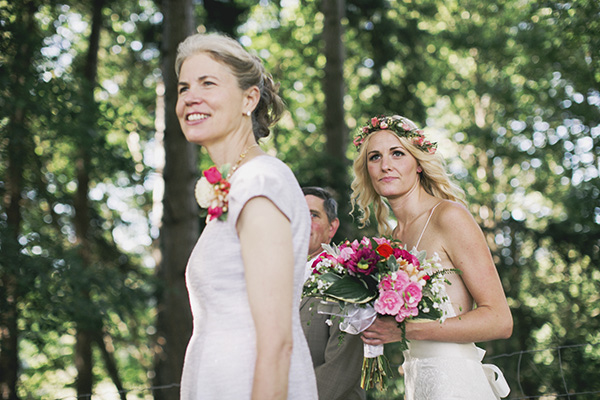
{"x": 378, "y": 276}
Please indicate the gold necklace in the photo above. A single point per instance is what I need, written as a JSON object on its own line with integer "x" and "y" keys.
{"x": 239, "y": 161}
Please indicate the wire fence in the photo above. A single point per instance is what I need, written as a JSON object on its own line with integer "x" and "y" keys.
{"x": 567, "y": 393}
{"x": 517, "y": 389}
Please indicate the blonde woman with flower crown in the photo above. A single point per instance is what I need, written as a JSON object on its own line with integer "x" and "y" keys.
{"x": 397, "y": 169}
{"x": 245, "y": 274}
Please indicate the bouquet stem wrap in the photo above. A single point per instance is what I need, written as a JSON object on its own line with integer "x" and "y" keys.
{"x": 356, "y": 319}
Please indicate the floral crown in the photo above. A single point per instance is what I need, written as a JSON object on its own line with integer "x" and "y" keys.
{"x": 403, "y": 127}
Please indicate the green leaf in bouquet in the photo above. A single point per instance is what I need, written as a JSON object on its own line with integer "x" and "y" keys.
{"x": 392, "y": 263}
{"x": 432, "y": 314}
{"x": 421, "y": 255}
{"x": 351, "y": 290}
{"x": 330, "y": 277}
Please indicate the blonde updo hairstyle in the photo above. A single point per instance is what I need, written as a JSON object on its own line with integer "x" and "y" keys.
{"x": 433, "y": 178}
{"x": 248, "y": 70}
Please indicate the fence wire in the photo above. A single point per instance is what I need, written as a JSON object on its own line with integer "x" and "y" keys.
{"x": 116, "y": 395}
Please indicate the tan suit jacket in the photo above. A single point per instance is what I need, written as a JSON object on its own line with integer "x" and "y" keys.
{"x": 337, "y": 365}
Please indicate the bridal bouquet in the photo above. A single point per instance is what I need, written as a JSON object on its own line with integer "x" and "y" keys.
{"x": 377, "y": 276}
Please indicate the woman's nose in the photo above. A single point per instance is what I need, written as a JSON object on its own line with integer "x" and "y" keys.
{"x": 192, "y": 96}
{"x": 385, "y": 165}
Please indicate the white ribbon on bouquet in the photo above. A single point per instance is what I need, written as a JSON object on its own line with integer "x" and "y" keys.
{"x": 355, "y": 319}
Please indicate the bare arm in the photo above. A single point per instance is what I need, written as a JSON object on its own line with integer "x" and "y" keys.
{"x": 267, "y": 251}
{"x": 464, "y": 245}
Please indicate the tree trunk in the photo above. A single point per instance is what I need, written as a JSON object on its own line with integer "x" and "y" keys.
{"x": 18, "y": 139}
{"x": 85, "y": 329}
{"x": 335, "y": 125}
{"x": 180, "y": 224}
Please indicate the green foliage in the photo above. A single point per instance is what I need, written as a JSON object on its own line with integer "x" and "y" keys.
{"x": 510, "y": 90}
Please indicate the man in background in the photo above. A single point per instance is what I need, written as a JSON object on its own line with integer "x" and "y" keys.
{"x": 337, "y": 362}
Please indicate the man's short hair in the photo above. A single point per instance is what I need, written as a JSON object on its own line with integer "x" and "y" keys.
{"x": 329, "y": 203}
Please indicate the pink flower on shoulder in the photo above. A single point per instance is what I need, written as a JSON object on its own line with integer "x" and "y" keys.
{"x": 389, "y": 303}
{"x": 213, "y": 175}
{"x": 214, "y": 212}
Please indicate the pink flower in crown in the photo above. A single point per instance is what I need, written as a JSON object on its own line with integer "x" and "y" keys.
{"x": 406, "y": 126}
{"x": 374, "y": 122}
{"x": 418, "y": 140}
{"x": 405, "y": 255}
{"x": 365, "y": 129}
{"x": 412, "y": 294}
{"x": 432, "y": 150}
{"x": 213, "y": 175}
{"x": 383, "y": 125}
{"x": 357, "y": 141}
{"x": 389, "y": 303}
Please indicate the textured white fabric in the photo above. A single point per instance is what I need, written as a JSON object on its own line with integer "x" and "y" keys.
{"x": 220, "y": 357}
{"x": 450, "y": 371}
{"x": 440, "y": 371}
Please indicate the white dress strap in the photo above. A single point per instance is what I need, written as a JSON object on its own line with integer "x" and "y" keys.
{"x": 427, "y": 223}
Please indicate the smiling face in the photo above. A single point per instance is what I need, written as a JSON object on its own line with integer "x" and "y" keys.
{"x": 392, "y": 169}
{"x": 210, "y": 103}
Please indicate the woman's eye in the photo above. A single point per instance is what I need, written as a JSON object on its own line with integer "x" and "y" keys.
{"x": 374, "y": 157}
{"x": 398, "y": 153}
{"x": 182, "y": 89}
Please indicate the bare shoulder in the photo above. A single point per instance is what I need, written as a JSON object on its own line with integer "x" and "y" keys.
{"x": 451, "y": 212}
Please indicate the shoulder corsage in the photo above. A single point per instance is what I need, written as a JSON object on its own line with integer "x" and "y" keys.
{"x": 212, "y": 193}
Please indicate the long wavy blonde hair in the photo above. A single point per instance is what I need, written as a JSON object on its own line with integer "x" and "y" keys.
{"x": 434, "y": 179}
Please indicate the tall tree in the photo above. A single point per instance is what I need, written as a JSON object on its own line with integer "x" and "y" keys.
{"x": 86, "y": 328}
{"x": 180, "y": 223}
{"x": 334, "y": 122}
{"x": 16, "y": 84}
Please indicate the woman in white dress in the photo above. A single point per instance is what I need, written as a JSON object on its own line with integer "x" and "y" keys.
{"x": 397, "y": 166}
{"x": 245, "y": 274}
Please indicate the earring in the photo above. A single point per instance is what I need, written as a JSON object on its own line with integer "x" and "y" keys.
{"x": 247, "y": 113}
{"x": 419, "y": 170}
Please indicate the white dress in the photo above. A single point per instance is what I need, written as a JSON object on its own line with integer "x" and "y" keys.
{"x": 449, "y": 371}
{"x": 220, "y": 357}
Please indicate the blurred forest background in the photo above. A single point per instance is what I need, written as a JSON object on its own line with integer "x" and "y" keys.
{"x": 97, "y": 214}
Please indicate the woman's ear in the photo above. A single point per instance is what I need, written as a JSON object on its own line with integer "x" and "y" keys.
{"x": 251, "y": 99}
